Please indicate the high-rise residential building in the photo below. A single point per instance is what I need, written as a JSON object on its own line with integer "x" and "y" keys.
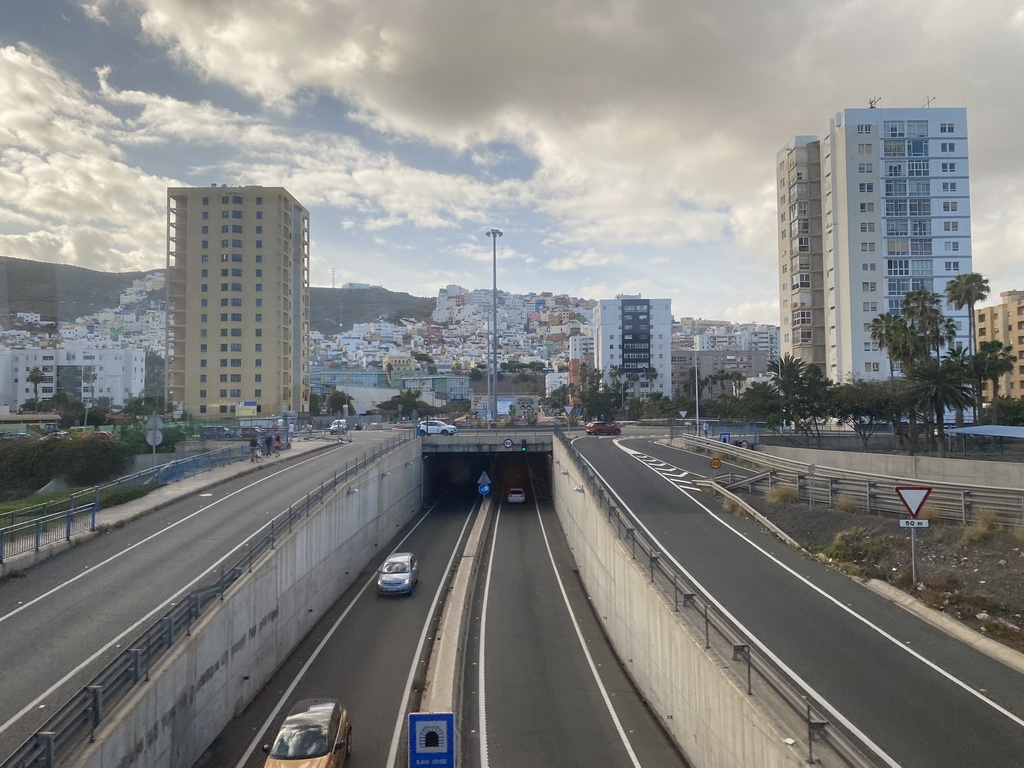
{"x": 876, "y": 207}
{"x": 87, "y": 373}
{"x": 1004, "y": 323}
{"x": 634, "y": 335}
{"x": 237, "y": 301}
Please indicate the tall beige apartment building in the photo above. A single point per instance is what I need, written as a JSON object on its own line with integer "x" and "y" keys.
{"x": 237, "y": 302}
{"x": 1004, "y": 322}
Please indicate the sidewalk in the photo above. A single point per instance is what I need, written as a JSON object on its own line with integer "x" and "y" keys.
{"x": 116, "y": 516}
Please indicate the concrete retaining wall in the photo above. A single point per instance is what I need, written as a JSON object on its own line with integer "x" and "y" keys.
{"x": 714, "y": 721}
{"x": 964, "y": 471}
{"x": 211, "y": 676}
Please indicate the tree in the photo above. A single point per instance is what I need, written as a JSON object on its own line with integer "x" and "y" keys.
{"x": 67, "y": 408}
{"x": 35, "y": 378}
{"x": 937, "y": 385}
{"x": 805, "y": 393}
{"x": 314, "y": 404}
{"x": 993, "y": 361}
{"x": 967, "y": 291}
{"x": 337, "y": 402}
{"x": 863, "y": 405}
{"x": 923, "y": 310}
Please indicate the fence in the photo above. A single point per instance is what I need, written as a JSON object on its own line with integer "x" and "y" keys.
{"x": 85, "y": 712}
{"x": 737, "y": 652}
{"x": 30, "y": 528}
{"x": 871, "y": 493}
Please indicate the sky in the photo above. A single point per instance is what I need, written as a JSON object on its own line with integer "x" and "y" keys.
{"x": 621, "y": 146}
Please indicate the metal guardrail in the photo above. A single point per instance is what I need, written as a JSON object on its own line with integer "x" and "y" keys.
{"x": 86, "y": 711}
{"x": 737, "y": 651}
{"x": 30, "y": 528}
{"x": 871, "y": 493}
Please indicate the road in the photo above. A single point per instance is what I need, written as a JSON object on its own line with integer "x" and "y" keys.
{"x": 64, "y": 619}
{"x": 923, "y": 697}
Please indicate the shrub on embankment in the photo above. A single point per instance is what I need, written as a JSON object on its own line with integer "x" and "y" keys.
{"x": 27, "y": 466}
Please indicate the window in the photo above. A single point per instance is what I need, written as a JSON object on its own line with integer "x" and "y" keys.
{"x": 870, "y": 306}
{"x": 870, "y": 367}
{"x": 869, "y": 287}
{"x": 236, "y": 272}
{"x": 259, "y": 273}
{"x": 867, "y": 226}
{"x": 898, "y": 247}
{"x": 259, "y": 243}
{"x": 236, "y": 228}
{"x": 896, "y": 187}
{"x": 236, "y": 287}
{"x": 864, "y": 128}
{"x": 259, "y": 286}
{"x": 864, "y": 149}
{"x": 202, "y": 393}
{"x": 236, "y": 317}
{"x": 224, "y": 272}
{"x": 259, "y": 229}
{"x": 259, "y": 331}
{"x": 867, "y": 207}
{"x": 870, "y": 346}
{"x": 223, "y": 393}
{"x": 949, "y": 186}
{"x": 259, "y": 214}
{"x": 952, "y": 246}
{"x": 945, "y": 127}
{"x": 867, "y": 187}
{"x": 865, "y": 167}
{"x": 206, "y": 201}
{"x": 803, "y": 245}
{"x": 802, "y": 317}
{"x": 868, "y": 266}
{"x": 954, "y": 266}
{"x": 236, "y": 332}
{"x": 948, "y": 146}
{"x": 236, "y": 347}
{"x": 259, "y": 201}
{"x": 236, "y": 362}
{"x": 205, "y": 244}
{"x": 258, "y": 393}
{"x": 237, "y": 302}
{"x": 894, "y": 129}
{"x": 236, "y": 243}
{"x": 919, "y": 188}
{"x": 206, "y": 258}
{"x": 948, "y": 167}
{"x": 236, "y": 214}
{"x": 948, "y": 206}
{"x": 950, "y": 226}
{"x": 206, "y": 214}
{"x": 867, "y": 247}
{"x": 917, "y": 168}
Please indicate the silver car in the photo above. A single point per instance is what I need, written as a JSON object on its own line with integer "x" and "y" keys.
{"x": 398, "y": 575}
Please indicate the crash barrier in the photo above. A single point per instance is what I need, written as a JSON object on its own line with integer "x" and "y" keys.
{"x": 79, "y": 720}
{"x": 723, "y": 698}
{"x": 872, "y": 493}
{"x": 30, "y": 528}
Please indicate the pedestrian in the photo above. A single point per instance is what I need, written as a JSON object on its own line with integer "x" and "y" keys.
{"x": 268, "y": 444}
{"x": 277, "y": 445}
{"x": 705, "y": 430}
{"x": 254, "y": 449}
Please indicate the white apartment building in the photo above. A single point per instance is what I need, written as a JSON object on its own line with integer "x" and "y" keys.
{"x": 635, "y": 334}
{"x": 85, "y": 373}
{"x": 876, "y": 207}
{"x": 237, "y": 301}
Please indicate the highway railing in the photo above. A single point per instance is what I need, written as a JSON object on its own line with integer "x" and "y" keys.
{"x": 30, "y": 528}
{"x": 740, "y": 654}
{"x": 871, "y": 493}
{"x": 79, "y": 719}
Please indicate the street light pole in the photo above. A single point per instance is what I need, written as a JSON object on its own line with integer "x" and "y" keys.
{"x": 494, "y": 234}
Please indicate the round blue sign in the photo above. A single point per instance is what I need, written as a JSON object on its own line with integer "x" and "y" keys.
{"x": 484, "y": 489}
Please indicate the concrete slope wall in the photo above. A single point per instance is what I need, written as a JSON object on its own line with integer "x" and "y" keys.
{"x": 209, "y": 677}
{"x": 714, "y": 721}
{"x": 964, "y": 471}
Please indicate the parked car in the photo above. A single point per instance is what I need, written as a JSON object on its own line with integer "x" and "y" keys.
{"x": 602, "y": 428}
{"x": 435, "y": 427}
{"x": 217, "y": 433}
{"x": 317, "y": 733}
{"x": 398, "y": 575}
{"x": 247, "y": 433}
{"x": 516, "y": 496}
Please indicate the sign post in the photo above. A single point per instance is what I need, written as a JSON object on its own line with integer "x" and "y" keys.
{"x": 913, "y": 498}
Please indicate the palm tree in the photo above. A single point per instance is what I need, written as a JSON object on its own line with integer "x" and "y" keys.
{"x": 994, "y": 359}
{"x": 937, "y": 385}
{"x": 35, "y": 378}
{"x": 883, "y": 333}
{"x": 967, "y": 291}
{"x": 923, "y": 310}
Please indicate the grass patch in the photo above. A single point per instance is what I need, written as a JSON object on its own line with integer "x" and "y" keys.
{"x": 115, "y": 496}
{"x": 846, "y": 505}
{"x": 782, "y": 494}
{"x": 983, "y": 526}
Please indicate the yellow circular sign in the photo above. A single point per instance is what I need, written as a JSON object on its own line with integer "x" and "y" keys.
{"x": 716, "y": 463}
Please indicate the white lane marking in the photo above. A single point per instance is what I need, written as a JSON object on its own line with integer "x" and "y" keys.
{"x": 254, "y": 744}
{"x": 586, "y": 651}
{"x": 485, "y": 760}
{"x": 821, "y": 701}
{"x": 146, "y": 540}
{"x": 895, "y": 641}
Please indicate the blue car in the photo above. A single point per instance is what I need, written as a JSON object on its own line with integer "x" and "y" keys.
{"x": 398, "y": 575}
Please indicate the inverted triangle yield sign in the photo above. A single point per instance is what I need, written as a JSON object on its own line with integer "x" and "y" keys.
{"x": 913, "y": 498}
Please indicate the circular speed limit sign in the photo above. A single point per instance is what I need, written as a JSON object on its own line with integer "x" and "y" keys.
{"x": 716, "y": 463}
{"x": 507, "y": 443}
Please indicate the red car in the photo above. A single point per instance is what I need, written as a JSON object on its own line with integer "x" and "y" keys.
{"x": 602, "y": 428}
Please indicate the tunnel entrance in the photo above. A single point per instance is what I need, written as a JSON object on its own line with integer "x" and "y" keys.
{"x": 460, "y": 472}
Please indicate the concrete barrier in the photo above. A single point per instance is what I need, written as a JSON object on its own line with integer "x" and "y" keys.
{"x": 211, "y": 676}
{"x": 706, "y": 710}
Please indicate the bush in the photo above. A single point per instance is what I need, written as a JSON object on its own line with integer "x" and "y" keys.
{"x": 25, "y": 467}
{"x": 782, "y": 494}
{"x": 846, "y": 505}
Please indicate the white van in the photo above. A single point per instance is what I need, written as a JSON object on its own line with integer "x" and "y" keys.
{"x": 339, "y": 427}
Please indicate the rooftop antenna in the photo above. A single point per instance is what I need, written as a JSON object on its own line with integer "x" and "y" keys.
{"x": 332, "y": 277}
{"x": 873, "y": 101}
{"x": 928, "y": 101}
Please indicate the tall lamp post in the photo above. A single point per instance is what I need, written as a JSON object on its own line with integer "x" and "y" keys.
{"x": 494, "y": 234}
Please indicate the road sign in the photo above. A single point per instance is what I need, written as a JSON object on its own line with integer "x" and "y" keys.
{"x": 154, "y": 421}
{"x": 716, "y": 463}
{"x": 154, "y": 437}
{"x": 432, "y": 739}
{"x": 508, "y": 443}
{"x": 483, "y": 478}
{"x": 913, "y": 498}
{"x": 913, "y": 523}
{"x": 484, "y": 489}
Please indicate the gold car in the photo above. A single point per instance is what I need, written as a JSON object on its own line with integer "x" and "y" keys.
{"x": 317, "y": 733}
